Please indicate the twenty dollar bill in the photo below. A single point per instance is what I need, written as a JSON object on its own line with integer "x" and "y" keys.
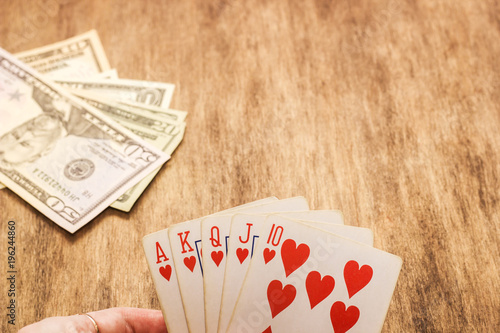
{"x": 147, "y": 92}
{"x": 154, "y": 129}
{"x": 61, "y": 155}
{"x": 81, "y": 56}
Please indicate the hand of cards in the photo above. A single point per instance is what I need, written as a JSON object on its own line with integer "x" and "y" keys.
{"x": 271, "y": 266}
{"x": 75, "y": 139}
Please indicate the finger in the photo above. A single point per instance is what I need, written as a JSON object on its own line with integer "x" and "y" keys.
{"x": 117, "y": 320}
{"x": 76, "y": 323}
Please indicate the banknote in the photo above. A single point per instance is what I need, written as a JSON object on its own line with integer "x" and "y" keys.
{"x": 146, "y": 92}
{"x": 79, "y": 57}
{"x": 164, "y": 113}
{"x": 126, "y": 201}
{"x": 125, "y": 114}
{"x": 109, "y": 74}
{"x": 170, "y": 116}
{"x": 152, "y": 128}
{"x": 61, "y": 155}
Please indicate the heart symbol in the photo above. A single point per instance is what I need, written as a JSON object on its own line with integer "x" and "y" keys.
{"x": 190, "y": 262}
{"x": 268, "y": 255}
{"x": 317, "y": 288}
{"x": 242, "y": 254}
{"x": 166, "y": 272}
{"x": 217, "y": 257}
{"x": 293, "y": 257}
{"x": 356, "y": 278}
{"x": 268, "y": 330}
{"x": 342, "y": 319}
{"x": 279, "y": 298}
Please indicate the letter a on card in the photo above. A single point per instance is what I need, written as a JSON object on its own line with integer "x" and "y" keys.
{"x": 159, "y": 258}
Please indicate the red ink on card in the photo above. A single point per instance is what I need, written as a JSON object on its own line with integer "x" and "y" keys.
{"x": 217, "y": 257}
{"x": 190, "y": 262}
{"x": 279, "y": 297}
{"x": 268, "y": 330}
{"x": 166, "y": 272}
{"x": 160, "y": 254}
{"x": 318, "y": 288}
{"x": 293, "y": 256}
{"x": 242, "y": 254}
{"x": 356, "y": 278}
{"x": 268, "y": 255}
{"x": 343, "y": 319}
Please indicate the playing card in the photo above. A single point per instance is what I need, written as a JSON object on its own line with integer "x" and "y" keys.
{"x": 357, "y": 234}
{"x": 303, "y": 279}
{"x": 242, "y": 238}
{"x": 214, "y": 236}
{"x": 185, "y": 242}
{"x": 250, "y": 204}
{"x": 330, "y": 216}
{"x": 159, "y": 258}
{"x": 160, "y": 262}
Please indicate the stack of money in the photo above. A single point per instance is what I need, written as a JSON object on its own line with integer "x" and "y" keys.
{"x": 75, "y": 138}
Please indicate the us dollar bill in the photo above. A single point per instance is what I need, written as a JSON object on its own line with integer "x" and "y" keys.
{"x": 81, "y": 56}
{"x": 164, "y": 113}
{"x": 146, "y": 92}
{"x": 61, "y": 155}
{"x": 163, "y": 134}
{"x": 109, "y": 74}
{"x": 126, "y": 201}
{"x": 125, "y": 114}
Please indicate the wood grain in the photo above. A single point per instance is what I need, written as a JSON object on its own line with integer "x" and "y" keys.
{"x": 387, "y": 110}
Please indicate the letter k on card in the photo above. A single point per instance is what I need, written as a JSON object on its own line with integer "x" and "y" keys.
{"x": 185, "y": 241}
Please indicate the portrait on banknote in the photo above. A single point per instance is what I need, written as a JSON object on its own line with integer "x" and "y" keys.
{"x": 38, "y": 136}
{"x": 58, "y": 152}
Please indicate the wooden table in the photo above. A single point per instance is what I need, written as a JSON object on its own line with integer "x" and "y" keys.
{"x": 386, "y": 110}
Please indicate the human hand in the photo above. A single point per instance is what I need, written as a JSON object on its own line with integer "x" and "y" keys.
{"x": 114, "y": 320}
